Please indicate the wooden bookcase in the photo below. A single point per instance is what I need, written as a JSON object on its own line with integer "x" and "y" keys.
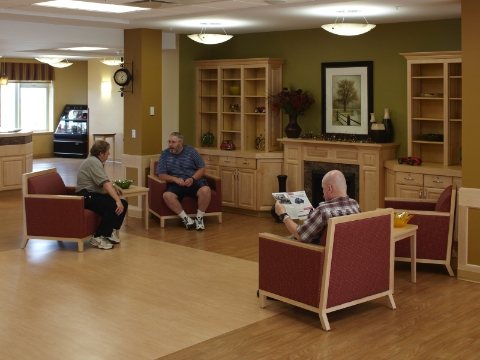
{"x": 232, "y": 116}
{"x": 435, "y": 106}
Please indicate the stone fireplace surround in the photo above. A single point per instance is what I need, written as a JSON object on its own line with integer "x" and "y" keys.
{"x": 299, "y": 153}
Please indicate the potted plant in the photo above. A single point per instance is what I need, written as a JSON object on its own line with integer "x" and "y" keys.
{"x": 292, "y": 102}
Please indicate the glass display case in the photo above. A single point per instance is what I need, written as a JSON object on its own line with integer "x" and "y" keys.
{"x": 71, "y": 136}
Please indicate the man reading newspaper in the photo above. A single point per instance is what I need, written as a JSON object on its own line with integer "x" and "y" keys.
{"x": 337, "y": 203}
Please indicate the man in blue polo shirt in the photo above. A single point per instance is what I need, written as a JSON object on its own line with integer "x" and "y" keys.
{"x": 182, "y": 167}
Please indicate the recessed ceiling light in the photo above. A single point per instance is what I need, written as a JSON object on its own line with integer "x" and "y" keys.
{"x": 83, "y": 48}
{"x": 275, "y": 2}
{"x": 90, "y": 6}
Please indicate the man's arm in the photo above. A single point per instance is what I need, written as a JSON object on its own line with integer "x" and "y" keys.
{"x": 114, "y": 191}
{"x": 289, "y": 223}
{"x": 197, "y": 176}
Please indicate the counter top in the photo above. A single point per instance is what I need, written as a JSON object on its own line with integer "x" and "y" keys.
{"x": 426, "y": 168}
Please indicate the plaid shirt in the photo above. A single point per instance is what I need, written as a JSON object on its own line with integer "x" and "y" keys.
{"x": 312, "y": 229}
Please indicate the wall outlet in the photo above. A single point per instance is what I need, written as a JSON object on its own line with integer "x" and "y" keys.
{"x": 134, "y": 134}
{"x": 152, "y": 111}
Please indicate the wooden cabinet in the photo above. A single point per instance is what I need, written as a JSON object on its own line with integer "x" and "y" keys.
{"x": 434, "y": 98}
{"x": 419, "y": 182}
{"x": 16, "y": 158}
{"x": 228, "y": 94}
{"x": 248, "y": 178}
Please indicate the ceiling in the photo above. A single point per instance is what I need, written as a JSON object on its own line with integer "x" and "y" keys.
{"x": 28, "y": 30}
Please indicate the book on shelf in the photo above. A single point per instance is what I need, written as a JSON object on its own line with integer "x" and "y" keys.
{"x": 296, "y": 203}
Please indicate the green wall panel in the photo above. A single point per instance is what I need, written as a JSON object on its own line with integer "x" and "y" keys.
{"x": 305, "y": 50}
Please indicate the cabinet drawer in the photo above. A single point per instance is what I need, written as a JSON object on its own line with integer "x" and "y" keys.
{"x": 210, "y": 159}
{"x": 434, "y": 181}
{"x": 227, "y": 161}
{"x": 409, "y": 178}
{"x": 246, "y": 163}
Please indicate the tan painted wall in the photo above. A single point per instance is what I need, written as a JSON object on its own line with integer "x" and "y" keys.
{"x": 170, "y": 93}
{"x": 471, "y": 123}
{"x": 106, "y": 109}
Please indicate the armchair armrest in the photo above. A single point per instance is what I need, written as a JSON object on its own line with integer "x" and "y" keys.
{"x": 290, "y": 269}
{"x": 410, "y": 204}
{"x": 71, "y": 190}
{"x": 214, "y": 182}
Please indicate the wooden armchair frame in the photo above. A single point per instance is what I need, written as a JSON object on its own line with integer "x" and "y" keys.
{"x": 424, "y": 216}
{"x": 325, "y": 279}
{"x": 158, "y": 207}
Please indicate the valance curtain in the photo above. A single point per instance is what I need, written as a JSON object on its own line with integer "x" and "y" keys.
{"x": 27, "y": 71}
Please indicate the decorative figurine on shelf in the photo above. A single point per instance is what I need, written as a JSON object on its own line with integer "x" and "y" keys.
{"x": 227, "y": 145}
{"x": 208, "y": 139}
{"x": 234, "y": 107}
{"x": 260, "y": 109}
{"x": 410, "y": 160}
{"x": 260, "y": 142}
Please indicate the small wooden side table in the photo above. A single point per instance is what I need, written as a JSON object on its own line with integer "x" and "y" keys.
{"x": 138, "y": 191}
{"x": 103, "y": 137}
{"x": 410, "y": 231}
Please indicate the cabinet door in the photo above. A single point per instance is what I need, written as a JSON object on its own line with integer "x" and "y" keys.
{"x": 246, "y": 190}
{"x": 228, "y": 175}
{"x": 389, "y": 183}
{"x": 432, "y": 193}
{"x": 408, "y": 191}
{"x": 12, "y": 169}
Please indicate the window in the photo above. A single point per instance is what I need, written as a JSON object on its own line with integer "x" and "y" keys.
{"x": 26, "y": 105}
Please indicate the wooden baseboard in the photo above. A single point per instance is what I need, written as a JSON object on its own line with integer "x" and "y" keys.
{"x": 468, "y": 275}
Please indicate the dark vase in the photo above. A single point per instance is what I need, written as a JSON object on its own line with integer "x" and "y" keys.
{"x": 282, "y": 187}
{"x": 388, "y": 126}
{"x": 293, "y": 130}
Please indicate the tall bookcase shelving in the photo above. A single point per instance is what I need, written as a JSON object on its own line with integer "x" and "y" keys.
{"x": 227, "y": 94}
{"x": 435, "y": 106}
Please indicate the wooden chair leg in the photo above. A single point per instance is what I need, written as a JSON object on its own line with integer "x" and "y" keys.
{"x": 450, "y": 270}
{"x": 24, "y": 243}
{"x": 80, "y": 246}
{"x": 392, "y": 302}
{"x": 162, "y": 222}
{"x": 263, "y": 300}
{"x": 220, "y": 218}
{"x": 324, "y": 321}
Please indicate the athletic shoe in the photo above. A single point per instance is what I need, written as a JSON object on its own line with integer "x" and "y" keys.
{"x": 113, "y": 238}
{"x": 199, "y": 223}
{"x": 101, "y": 242}
{"x": 189, "y": 223}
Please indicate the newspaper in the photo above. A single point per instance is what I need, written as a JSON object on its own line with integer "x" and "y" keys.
{"x": 296, "y": 203}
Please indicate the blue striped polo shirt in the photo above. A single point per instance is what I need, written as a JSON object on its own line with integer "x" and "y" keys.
{"x": 182, "y": 165}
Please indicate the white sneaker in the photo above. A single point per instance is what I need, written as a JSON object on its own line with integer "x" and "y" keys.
{"x": 101, "y": 242}
{"x": 113, "y": 238}
{"x": 199, "y": 223}
{"x": 188, "y": 222}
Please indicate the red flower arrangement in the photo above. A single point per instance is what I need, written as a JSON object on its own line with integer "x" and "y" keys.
{"x": 292, "y": 101}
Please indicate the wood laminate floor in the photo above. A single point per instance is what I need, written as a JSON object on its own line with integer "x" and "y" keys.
{"x": 176, "y": 294}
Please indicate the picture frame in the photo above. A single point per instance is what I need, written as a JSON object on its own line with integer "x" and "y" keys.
{"x": 347, "y": 98}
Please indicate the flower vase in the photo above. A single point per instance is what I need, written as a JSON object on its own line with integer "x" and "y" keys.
{"x": 293, "y": 130}
{"x": 388, "y": 126}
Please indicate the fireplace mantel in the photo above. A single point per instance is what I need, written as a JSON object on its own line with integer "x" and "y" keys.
{"x": 369, "y": 158}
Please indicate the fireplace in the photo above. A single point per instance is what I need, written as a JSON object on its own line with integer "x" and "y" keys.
{"x": 317, "y": 190}
{"x": 313, "y": 175}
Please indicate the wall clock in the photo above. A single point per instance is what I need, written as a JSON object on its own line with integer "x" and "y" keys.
{"x": 122, "y": 77}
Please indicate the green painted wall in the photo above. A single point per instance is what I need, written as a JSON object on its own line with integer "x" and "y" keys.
{"x": 305, "y": 50}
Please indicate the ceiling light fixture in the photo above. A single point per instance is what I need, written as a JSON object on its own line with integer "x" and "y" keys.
{"x": 49, "y": 60}
{"x": 61, "y": 64}
{"x": 112, "y": 62}
{"x": 4, "y": 78}
{"x": 90, "y": 6}
{"x": 348, "y": 29}
{"x": 210, "y": 39}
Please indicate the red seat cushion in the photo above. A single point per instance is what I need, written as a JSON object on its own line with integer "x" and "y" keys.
{"x": 443, "y": 202}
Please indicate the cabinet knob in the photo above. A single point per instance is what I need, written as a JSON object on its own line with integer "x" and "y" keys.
{"x": 409, "y": 178}
{"x": 438, "y": 181}
{"x": 420, "y": 194}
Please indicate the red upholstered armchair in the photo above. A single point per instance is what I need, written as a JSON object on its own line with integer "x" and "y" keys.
{"x": 52, "y": 211}
{"x": 158, "y": 207}
{"x": 435, "y": 220}
{"x": 355, "y": 265}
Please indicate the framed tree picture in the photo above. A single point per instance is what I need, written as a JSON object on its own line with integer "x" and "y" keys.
{"x": 347, "y": 98}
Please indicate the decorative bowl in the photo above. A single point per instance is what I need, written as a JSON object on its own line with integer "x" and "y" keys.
{"x": 124, "y": 184}
{"x": 401, "y": 219}
{"x": 234, "y": 90}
